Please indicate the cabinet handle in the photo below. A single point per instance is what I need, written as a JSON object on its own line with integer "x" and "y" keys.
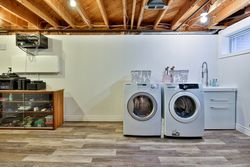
{"x": 219, "y": 100}
{"x": 218, "y": 108}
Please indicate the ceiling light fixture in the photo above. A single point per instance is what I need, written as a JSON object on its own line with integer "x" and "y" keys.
{"x": 204, "y": 17}
{"x": 72, "y": 3}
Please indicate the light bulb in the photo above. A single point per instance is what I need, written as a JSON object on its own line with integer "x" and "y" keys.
{"x": 204, "y": 18}
{"x": 72, "y": 3}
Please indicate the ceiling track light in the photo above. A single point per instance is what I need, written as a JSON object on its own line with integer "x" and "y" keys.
{"x": 204, "y": 17}
{"x": 72, "y": 3}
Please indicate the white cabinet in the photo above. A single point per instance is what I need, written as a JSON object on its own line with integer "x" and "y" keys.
{"x": 220, "y": 109}
{"x": 36, "y": 64}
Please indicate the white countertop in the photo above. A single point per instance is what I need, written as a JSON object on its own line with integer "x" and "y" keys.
{"x": 219, "y": 89}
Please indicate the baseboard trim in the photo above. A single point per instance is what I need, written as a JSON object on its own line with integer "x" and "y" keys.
{"x": 72, "y": 117}
{"x": 243, "y": 129}
{"x": 101, "y": 118}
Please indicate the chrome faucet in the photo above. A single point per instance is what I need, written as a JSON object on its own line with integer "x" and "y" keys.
{"x": 204, "y": 71}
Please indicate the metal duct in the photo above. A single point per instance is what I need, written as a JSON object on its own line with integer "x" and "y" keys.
{"x": 156, "y": 5}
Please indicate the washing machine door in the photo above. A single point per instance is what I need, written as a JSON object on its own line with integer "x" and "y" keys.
{"x": 184, "y": 107}
{"x": 142, "y": 106}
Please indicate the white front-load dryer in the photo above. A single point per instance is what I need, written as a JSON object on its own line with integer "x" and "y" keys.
{"x": 183, "y": 110}
{"x": 142, "y": 110}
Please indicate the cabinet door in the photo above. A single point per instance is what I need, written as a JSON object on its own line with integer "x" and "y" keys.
{"x": 219, "y": 110}
{"x": 10, "y": 113}
{"x": 38, "y": 110}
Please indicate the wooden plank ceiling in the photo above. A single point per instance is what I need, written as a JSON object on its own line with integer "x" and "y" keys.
{"x": 91, "y": 16}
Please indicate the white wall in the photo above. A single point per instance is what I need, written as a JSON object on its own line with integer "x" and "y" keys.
{"x": 234, "y": 71}
{"x": 94, "y": 68}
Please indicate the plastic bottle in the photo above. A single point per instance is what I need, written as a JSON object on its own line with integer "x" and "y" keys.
{"x": 165, "y": 75}
{"x": 171, "y": 74}
{"x": 216, "y": 82}
{"x": 10, "y": 97}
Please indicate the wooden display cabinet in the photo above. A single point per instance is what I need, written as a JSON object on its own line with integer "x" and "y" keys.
{"x": 31, "y": 109}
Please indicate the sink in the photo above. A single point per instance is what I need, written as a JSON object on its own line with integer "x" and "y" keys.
{"x": 219, "y": 88}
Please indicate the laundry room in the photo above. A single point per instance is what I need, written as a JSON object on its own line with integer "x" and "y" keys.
{"x": 153, "y": 83}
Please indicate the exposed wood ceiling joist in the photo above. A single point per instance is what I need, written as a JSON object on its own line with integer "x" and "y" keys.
{"x": 103, "y": 12}
{"x": 143, "y": 3}
{"x": 247, "y": 10}
{"x": 162, "y": 13}
{"x": 83, "y": 14}
{"x": 124, "y": 8}
{"x": 159, "y": 17}
{"x": 40, "y": 12}
{"x": 236, "y": 19}
{"x": 133, "y": 14}
{"x": 13, "y": 19}
{"x": 59, "y": 9}
{"x": 109, "y": 16}
{"x": 189, "y": 8}
{"x": 231, "y": 8}
{"x": 212, "y": 8}
{"x": 4, "y": 25}
{"x": 216, "y": 6}
{"x": 21, "y": 11}
{"x": 217, "y": 27}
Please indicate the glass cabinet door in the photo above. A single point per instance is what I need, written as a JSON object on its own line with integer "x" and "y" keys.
{"x": 10, "y": 115}
{"x": 38, "y": 110}
{"x": 26, "y": 110}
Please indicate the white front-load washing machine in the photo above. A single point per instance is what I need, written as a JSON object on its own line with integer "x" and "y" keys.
{"x": 142, "y": 110}
{"x": 183, "y": 110}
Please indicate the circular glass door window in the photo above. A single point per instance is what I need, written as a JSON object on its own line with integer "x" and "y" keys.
{"x": 184, "y": 107}
{"x": 142, "y": 106}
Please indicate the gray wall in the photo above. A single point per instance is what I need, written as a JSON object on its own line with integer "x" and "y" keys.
{"x": 94, "y": 68}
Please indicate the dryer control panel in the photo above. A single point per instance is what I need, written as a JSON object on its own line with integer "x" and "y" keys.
{"x": 188, "y": 86}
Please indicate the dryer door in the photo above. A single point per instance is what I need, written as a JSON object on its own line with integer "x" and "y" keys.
{"x": 184, "y": 107}
{"x": 142, "y": 106}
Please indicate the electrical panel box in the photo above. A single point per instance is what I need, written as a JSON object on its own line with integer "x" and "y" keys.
{"x": 34, "y": 41}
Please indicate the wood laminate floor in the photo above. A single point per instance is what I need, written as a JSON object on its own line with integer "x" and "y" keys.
{"x": 77, "y": 144}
